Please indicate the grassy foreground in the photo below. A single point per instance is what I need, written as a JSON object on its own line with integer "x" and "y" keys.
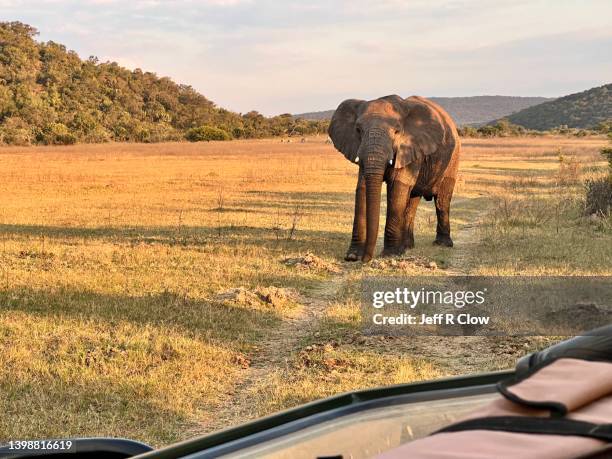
{"x": 120, "y": 265}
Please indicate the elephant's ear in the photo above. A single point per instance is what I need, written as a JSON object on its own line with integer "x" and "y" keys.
{"x": 342, "y": 129}
{"x": 423, "y": 133}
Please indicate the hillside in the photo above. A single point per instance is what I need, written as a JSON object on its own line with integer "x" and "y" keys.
{"x": 466, "y": 110}
{"x": 48, "y": 95}
{"x": 580, "y": 110}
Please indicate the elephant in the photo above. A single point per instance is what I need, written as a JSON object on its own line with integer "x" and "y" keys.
{"x": 411, "y": 144}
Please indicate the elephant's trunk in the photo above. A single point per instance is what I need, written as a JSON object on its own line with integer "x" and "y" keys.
{"x": 373, "y": 184}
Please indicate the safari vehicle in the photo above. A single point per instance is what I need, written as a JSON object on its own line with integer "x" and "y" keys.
{"x": 375, "y": 422}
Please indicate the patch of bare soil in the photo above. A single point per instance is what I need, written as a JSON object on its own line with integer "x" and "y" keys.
{"x": 311, "y": 262}
{"x": 272, "y": 296}
{"x": 461, "y": 259}
{"x": 320, "y": 355}
{"x": 404, "y": 263}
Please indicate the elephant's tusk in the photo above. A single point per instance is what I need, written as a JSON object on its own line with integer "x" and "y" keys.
{"x": 357, "y": 159}
{"x": 390, "y": 161}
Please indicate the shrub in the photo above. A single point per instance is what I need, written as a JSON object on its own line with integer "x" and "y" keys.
{"x": 468, "y": 131}
{"x": 607, "y": 153}
{"x": 605, "y": 127}
{"x": 599, "y": 192}
{"x": 153, "y": 132}
{"x": 97, "y": 135}
{"x": 501, "y": 128}
{"x": 15, "y": 131}
{"x": 56, "y": 134}
{"x": 598, "y": 196}
{"x": 206, "y": 133}
{"x": 238, "y": 132}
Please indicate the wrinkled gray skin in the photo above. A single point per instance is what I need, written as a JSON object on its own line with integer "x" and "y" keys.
{"x": 412, "y": 144}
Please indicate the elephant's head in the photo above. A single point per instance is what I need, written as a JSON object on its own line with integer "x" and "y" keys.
{"x": 383, "y": 133}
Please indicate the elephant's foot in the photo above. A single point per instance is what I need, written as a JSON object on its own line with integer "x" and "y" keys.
{"x": 392, "y": 251}
{"x": 443, "y": 240}
{"x": 408, "y": 242}
{"x": 354, "y": 253}
{"x": 366, "y": 258}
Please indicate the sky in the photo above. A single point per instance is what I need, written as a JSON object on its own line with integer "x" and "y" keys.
{"x": 290, "y": 56}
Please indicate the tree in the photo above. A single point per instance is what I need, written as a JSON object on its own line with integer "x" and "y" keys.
{"x": 206, "y": 133}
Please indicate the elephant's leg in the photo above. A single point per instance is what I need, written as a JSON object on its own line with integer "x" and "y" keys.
{"x": 358, "y": 238}
{"x": 443, "y": 200}
{"x": 413, "y": 203}
{"x": 399, "y": 186}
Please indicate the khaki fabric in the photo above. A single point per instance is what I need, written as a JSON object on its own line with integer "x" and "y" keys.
{"x": 584, "y": 387}
{"x": 572, "y": 382}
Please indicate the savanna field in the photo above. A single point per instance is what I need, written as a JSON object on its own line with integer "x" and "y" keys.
{"x": 162, "y": 291}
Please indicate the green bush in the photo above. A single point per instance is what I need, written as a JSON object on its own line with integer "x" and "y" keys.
{"x": 206, "y": 133}
{"x": 97, "y": 135}
{"x": 599, "y": 192}
{"x": 598, "y": 197}
{"x": 501, "y": 128}
{"x": 148, "y": 132}
{"x": 605, "y": 127}
{"x": 606, "y": 152}
{"x": 238, "y": 132}
{"x": 56, "y": 134}
{"x": 15, "y": 131}
{"x": 467, "y": 131}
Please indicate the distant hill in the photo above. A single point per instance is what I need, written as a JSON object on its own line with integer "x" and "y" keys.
{"x": 580, "y": 110}
{"x": 322, "y": 115}
{"x": 49, "y": 95}
{"x": 466, "y": 110}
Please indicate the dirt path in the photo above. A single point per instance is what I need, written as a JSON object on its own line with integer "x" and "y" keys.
{"x": 461, "y": 258}
{"x": 466, "y": 238}
{"x": 275, "y": 352}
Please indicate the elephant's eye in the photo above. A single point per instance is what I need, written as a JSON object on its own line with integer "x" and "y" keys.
{"x": 358, "y": 130}
{"x": 397, "y": 131}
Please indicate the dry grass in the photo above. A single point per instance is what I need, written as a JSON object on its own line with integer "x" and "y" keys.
{"x": 112, "y": 256}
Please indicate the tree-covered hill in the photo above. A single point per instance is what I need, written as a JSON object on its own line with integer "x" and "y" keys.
{"x": 584, "y": 110}
{"x": 48, "y": 95}
{"x": 473, "y": 110}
